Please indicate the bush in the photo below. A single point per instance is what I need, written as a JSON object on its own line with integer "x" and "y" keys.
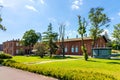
{"x": 40, "y": 49}
{"x": 5, "y": 56}
{"x": 1, "y": 61}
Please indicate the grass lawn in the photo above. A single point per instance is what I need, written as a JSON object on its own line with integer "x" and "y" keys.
{"x": 73, "y": 67}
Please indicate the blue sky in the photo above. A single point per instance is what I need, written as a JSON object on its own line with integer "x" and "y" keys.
{"x": 22, "y": 15}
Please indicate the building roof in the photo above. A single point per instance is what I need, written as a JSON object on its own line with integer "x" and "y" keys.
{"x": 77, "y": 39}
{"x": 85, "y": 38}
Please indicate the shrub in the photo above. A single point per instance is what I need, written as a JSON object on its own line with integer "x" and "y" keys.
{"x": 1, "y": 61}
{"x": 5, "y": 56}
{"x": 40, "y": 49}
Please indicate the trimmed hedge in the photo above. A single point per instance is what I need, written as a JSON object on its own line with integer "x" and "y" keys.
{"x": 5, "y": 56}
{"x": 60, "y": 73}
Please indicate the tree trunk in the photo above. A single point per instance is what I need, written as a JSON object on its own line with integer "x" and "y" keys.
{"x": 63, "y": 50}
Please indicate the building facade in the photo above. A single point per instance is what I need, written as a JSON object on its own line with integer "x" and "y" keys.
{"x": 14, "y": 47}
{"x": 73, "y": 46}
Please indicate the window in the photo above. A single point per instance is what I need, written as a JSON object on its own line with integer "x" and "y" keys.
{"x": 65, "y": 49}
{"x": 72, "y": 49}
{"x": 76, "y": 49}
{"x": 17, "y": 44}
{"x": 17, "y": 51}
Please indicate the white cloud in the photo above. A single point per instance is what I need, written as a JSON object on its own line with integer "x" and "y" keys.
{"x": 31, "y": 8}
{"x": 38, "y": 1}
{"x": 76, "y": 4}
{"x": 31, "y": 1}
{"x": 119, "y": 13}
{"x": 42, "y": 1}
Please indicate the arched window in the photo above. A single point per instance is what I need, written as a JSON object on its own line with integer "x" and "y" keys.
{"x": 72, "y": 49}
{"x": 65, "y": 49}
{"x": 76, "y": 49}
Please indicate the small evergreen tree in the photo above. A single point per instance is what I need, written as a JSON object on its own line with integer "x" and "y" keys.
{"x": 50, "y": 38}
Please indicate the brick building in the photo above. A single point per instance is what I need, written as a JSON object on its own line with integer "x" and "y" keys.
{"x": 73, "y": 46}
{"x": 14, "y": 47}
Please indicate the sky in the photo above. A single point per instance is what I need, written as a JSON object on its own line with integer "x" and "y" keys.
{"x": 20, "y": 16}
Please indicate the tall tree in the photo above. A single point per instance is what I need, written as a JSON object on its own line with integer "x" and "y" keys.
{"x": 61, "y": 38}
{"x": 98, "y": 19}
{"x": 82, "y": 31}
{"x": 50, "y": 38}
{"x": 116, "y": 33}
{"x": 30, "y": 38}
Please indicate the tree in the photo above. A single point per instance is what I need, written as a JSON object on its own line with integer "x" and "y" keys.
{"x": 1, "y": 26}
{"x": 82, "y": 31}
{"x": 116, "y": 33}
{"x": 50, "y": 38}
{"x": 98, "y": 19}
{"x": 29, "y": 38}
{"x": 40, "y": 49}
{"x": 61, "y": 38}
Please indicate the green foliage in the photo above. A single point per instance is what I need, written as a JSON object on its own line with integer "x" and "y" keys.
{"x": 82, "y": 26}
{"x": 50, "y": 38}
{"x": 69, "y": 66}
{"x": 40, "y": 49}
{"x": 1, "y": 26}
{"x": 97, "y": 19}
{"x": 5, "y": 56}
{"x": 1, "y": 61}
{"x": 82, "y": 31}
{"x": 84, "y": 50}
{"x": 61, "y": 73}
{"x": 116, "y": 33}
{"x": 30, "y": 38}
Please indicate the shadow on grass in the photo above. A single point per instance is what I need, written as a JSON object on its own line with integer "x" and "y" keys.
{"x": 113, "y": 62}
{"x": 93, "y": 61}
{"x": 61, "y": 57}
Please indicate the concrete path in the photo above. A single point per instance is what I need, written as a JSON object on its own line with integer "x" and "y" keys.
{"x": 7, "y": 73}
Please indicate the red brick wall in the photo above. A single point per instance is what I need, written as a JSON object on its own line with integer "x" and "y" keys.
{"x": 12, "y": 46}
{"x": 88, "y": 43}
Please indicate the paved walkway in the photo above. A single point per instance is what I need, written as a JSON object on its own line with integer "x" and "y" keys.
{"x": 7, "y": 73}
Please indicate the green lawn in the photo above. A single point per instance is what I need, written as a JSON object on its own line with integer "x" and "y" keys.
{"x": 72, "y": 67}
